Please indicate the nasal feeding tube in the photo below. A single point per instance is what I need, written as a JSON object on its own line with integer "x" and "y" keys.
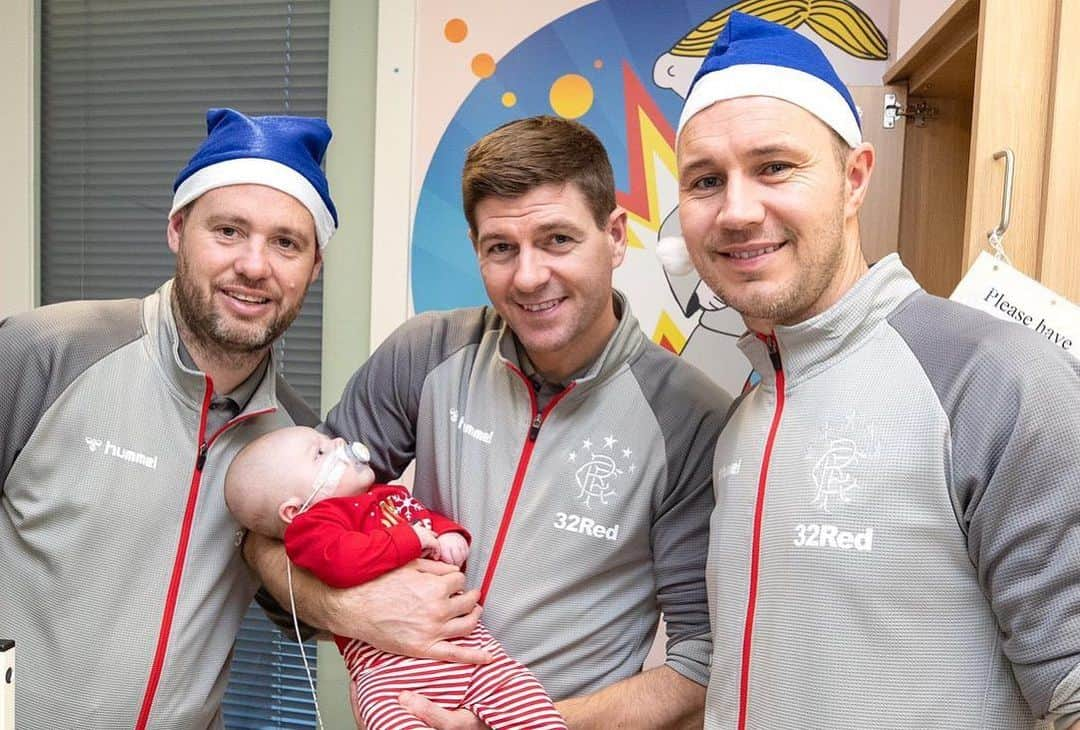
{"x": 354, "y": 455}
{"x": 344, "y": 455}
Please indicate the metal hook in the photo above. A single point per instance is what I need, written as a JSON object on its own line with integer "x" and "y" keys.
{"x": 995, "y": 236}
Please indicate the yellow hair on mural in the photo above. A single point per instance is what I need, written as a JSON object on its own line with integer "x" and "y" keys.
{"x": 837, "y": 21}
{"x": 848, "y": 28}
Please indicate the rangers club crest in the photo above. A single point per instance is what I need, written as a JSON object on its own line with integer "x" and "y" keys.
{"x": 839, "y": 456}
{"x": 598, "y": 468}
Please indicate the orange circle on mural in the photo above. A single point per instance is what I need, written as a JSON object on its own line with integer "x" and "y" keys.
{"x": 509, "y": 99}
{"x": 455, "y": 30}
{"x": 598, "y": 63}
{"x": 483, "y": 65}
{"x": 571, "y": 96}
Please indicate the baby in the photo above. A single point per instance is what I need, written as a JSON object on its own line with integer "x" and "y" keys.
{"x": 319, "y": 495}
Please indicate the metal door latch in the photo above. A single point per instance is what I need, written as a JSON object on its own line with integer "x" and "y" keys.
{"x": 919, "y": 112}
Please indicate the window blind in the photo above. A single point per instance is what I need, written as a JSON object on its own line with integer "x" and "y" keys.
{"x": 125, "y": 85}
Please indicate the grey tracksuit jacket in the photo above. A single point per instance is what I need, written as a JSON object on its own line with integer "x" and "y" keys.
{"x": 896, "y": 539}
{"x": 587, "y": 518}
{"x": 120, "y": 579}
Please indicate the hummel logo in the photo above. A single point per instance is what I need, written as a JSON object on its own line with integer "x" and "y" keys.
{"x": 112, "y": 449}
{"x": 470, "y": 430}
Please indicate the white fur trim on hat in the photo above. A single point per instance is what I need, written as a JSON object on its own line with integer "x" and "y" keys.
{"x": 781, "y": 82}
{"x": 258, "y": 171}
{"x": 671, "y": 250}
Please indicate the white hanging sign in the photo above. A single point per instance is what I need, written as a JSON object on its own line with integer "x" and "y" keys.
{"x": 995, "y": 287}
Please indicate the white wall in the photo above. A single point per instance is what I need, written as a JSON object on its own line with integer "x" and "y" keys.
{"x": 350, "y": 108}
{"x": 913, "y": 18}
{"x": 18, "y": 157}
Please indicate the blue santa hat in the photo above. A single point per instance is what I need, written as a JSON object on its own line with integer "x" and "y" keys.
{"x": 753, "y": 57}
{"x": 284, "y": 153}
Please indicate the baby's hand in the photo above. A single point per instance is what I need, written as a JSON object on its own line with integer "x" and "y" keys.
{"x": 453, "y": 548}
{"x": 429, "y": 544}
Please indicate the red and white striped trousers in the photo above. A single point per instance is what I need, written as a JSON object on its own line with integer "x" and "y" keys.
{"x": 504, "y": 694}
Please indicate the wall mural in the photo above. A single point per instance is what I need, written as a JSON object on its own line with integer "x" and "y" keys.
{"x": 621, "y": 68}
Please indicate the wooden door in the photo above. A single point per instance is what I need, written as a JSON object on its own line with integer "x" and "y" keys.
{"x": 1059, "y": 267}
{"x": 1013, "y": 76}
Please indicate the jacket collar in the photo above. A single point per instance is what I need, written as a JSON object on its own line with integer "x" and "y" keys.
{"x": 625, "y": 343}
{"x": 189, "y": 384}
{"x": 811, "y": 346}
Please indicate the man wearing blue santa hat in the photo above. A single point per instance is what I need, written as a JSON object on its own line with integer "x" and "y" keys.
{"x": 121, "y": 576}
{"x": 896, "y": 536}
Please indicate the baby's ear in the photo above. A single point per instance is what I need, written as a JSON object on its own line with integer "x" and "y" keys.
{"x": 288, "y": 509}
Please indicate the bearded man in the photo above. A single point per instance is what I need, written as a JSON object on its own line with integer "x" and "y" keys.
{"x": 120, "y": 577}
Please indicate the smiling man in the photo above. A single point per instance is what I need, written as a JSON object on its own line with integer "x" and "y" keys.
{"x": 573, "y": 449}
{"x": 895, "y": 537}
{"x": 120, "y": 579}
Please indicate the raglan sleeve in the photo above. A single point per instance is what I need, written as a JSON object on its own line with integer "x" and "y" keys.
{"x": 23, "y": 384}
{"x": 43, "y": 351}
{"x": 1016, "y": 481}
{"x": 694, "y": 413}
{"x": 381, "y": 401}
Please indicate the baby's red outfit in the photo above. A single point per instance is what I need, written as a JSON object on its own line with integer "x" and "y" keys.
{"x": 346, "y": 541}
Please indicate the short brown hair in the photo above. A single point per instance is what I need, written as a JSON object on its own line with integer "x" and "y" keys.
{"x": 527, "y": 153}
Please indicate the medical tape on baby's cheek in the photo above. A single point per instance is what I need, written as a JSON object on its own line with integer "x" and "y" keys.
{"x": 331, "y": 471}
{"x": 329, "y": 477}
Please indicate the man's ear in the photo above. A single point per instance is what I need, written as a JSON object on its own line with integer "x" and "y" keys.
{"x": 857, "y": 173}
{"x": 288, "y": 509}
{"x": 317, "y": 266}
{"x": 175, "y": 229}
{"x": 616, "y": 230}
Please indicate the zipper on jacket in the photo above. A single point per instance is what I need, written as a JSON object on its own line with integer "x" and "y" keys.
{"x": 774, "y": 354}
{"x": 178, "y": 566}
{"x": 759, "y": 506}
{"x": 534, "y": 429}
{"x": 181, "y": 551}
{"x": 519, "y": 475}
